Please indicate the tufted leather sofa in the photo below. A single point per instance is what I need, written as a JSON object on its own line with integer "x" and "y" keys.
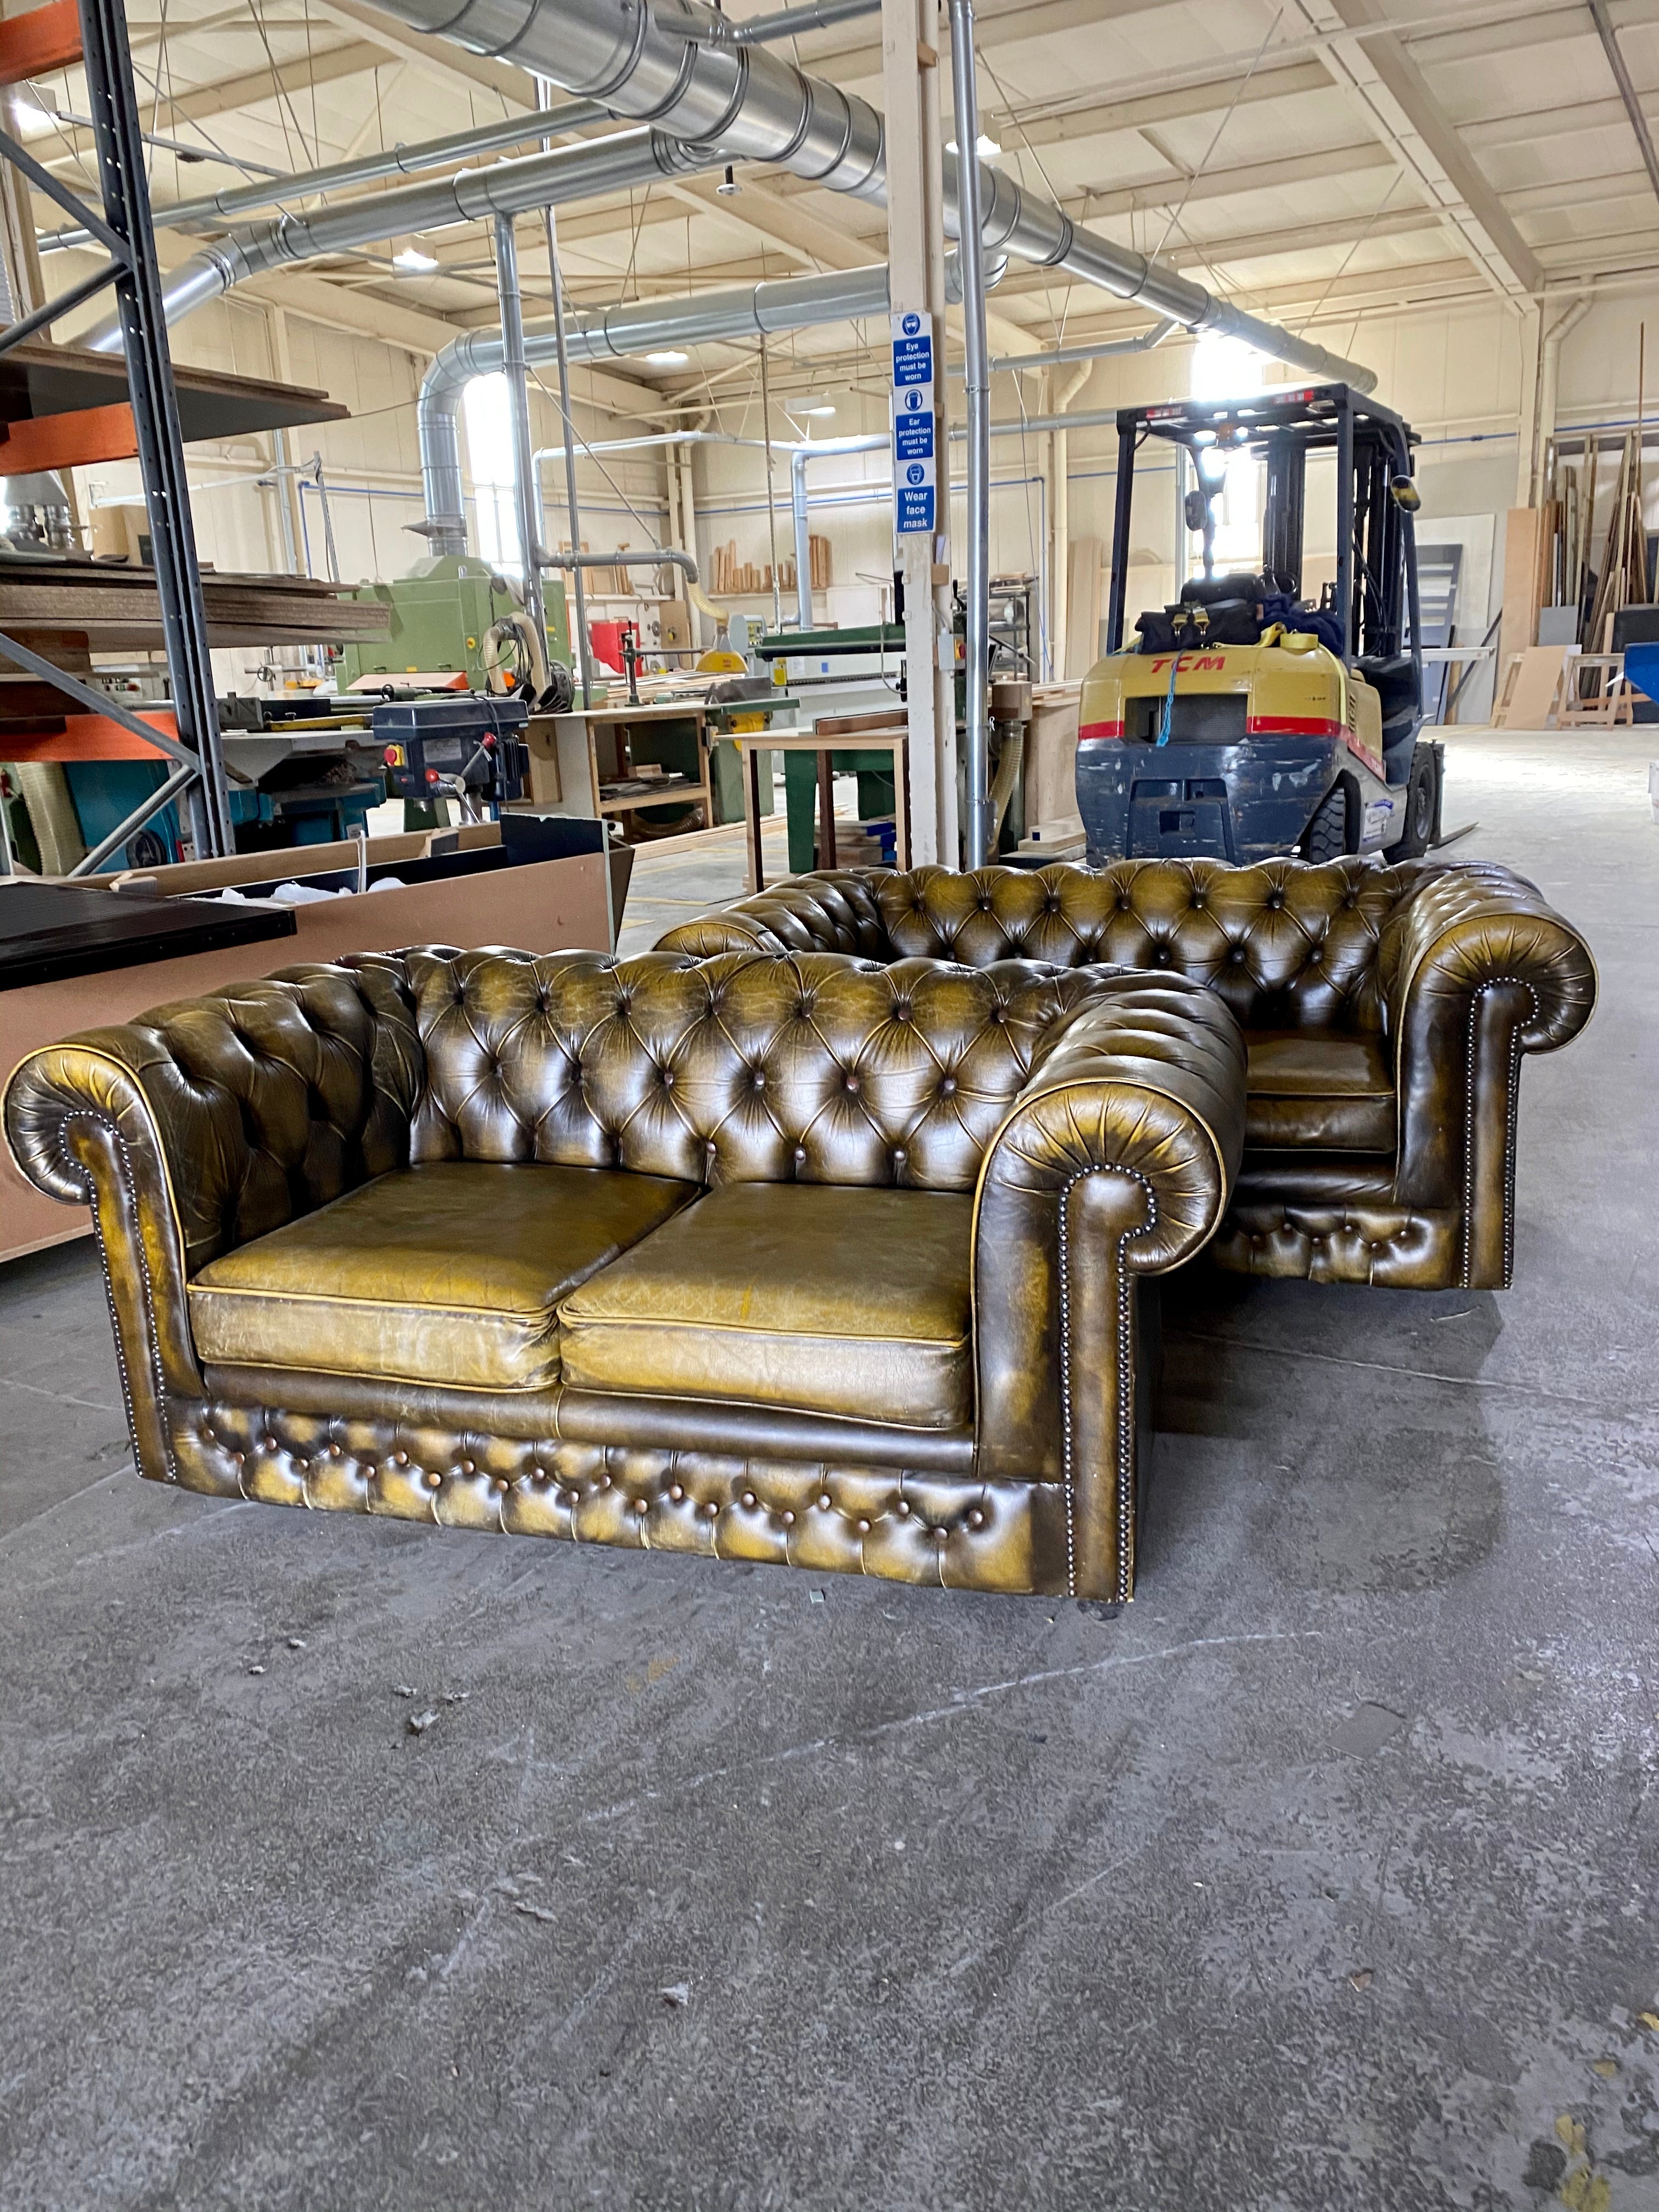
{"x": 775, "y": 1257}
{"x": 1385, "y": 1011}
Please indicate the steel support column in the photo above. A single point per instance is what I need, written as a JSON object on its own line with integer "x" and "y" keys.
{"x": 915, "y": 250}
{"x": 583, "y": 643}
{"x": 120, "y": 152}
{"x": 970, "y": 230}
{"x": 527, "y": 486}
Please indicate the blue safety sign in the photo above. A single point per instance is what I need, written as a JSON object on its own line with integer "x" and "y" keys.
{"x": 915, "y": 509}
{"x": 913, "y": 357}
{"x": 913, "y": 436}
{"x": 915, "y": 496}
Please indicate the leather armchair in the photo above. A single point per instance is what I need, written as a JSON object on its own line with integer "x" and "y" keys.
{"x": 827, "y": 1262}
{"x": 1385, "y": 1013}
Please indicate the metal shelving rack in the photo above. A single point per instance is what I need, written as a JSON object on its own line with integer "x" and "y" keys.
{"x": 94, "y": 33}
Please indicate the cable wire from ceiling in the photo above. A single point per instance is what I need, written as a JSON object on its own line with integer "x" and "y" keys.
{"x": 582, "y": 446}
{"x": 48, "y": 103}
{"x": 284, "y": 99}
{"x": 1209, "y": 151}
{"x": 1372, "y": 221}
{"x": 311, "y": 70}
{"x": 1057, "y": 323}
{"x": 151, "y": 82}
{"x": 637, "y": 217}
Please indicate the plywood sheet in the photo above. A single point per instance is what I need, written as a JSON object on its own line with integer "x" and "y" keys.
{"x": 1529, "y": 700}
{"x": 1051, "y": 752}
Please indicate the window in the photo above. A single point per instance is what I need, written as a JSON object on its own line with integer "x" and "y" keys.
{"x": 1226, "y": 369}
{"x": 489, "y": 452}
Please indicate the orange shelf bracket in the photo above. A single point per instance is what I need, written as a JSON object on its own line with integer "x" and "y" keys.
{"x": 44, "y": 40}
{"x": 70, "y": 442}
{"x": 91, "y": 737}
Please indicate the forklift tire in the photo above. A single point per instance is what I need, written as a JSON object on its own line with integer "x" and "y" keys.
{"x": 1422, "y": 807}
{"x": 1325, "y": 837}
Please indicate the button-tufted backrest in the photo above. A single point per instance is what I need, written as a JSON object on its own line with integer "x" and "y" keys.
{"x": 1286, "y": 943}
{"x": 747, "y": 1068}
{"x": 273, "y": 1096}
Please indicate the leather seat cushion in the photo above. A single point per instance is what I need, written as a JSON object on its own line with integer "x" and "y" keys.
{"x": 814, "y": 1297}
{"x": 1330, "y": 1089}
{"x": 449, "y": 1273}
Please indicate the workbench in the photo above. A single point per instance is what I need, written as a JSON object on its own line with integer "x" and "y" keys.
{"x": 826, "y": 748}
{"x": 588, "y": 760}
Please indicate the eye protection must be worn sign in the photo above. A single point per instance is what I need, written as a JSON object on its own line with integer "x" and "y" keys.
{"x": 915, "y": 479}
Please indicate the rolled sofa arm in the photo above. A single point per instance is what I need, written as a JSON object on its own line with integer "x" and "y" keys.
{"x": 1115, "y": 1162}
{"x": 1476, "y": 967}
{"x": 203, "y": 1124}
{"x": 834, "y": 910}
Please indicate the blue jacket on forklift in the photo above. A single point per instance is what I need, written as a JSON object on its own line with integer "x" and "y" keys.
{"x": 1280, "y": 607}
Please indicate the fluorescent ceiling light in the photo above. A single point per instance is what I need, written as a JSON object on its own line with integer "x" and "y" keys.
{"x": 987, "y": 148}
{"x": 34, "y": 120}
{"x": 669, "y": 357}
{"x": 816, "y": 413}
{"x": 414, "y": 263}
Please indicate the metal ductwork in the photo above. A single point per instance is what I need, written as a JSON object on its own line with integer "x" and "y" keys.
{"x": 213, "y": 209}
{"x": 791, "y": 303}
{"x": 675, "y": 64}
{"x": 617, "y": 163}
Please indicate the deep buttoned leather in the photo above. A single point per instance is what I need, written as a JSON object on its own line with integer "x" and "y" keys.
{"x": 1006, "y": 1107}
{"x": 449, "y": 1273}
{"x": 1442, "y": 975}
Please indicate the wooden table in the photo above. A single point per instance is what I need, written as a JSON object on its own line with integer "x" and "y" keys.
{"x": 573, "y": 756}
{"x": 593, "y": 753}
{"x": 895, "y": 742}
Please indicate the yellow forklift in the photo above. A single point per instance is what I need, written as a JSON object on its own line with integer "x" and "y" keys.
{"x": 1243, "y": 722}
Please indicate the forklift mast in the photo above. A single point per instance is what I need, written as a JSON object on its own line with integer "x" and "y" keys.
{"x": 1375, "y": 590}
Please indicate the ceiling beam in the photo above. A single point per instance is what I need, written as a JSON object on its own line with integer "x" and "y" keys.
{"x": 253, "y": 88}
{"x": 1228, "y": 184}
{"x": 809, "y": 242}
{"x": 1247, "y": 247}
{"x": 854, "y": 49}
{"x": 1387, "y": 86}
{"x": 372, "y": 314}
{"x": 1627, "y": 92}
{"x": 440, "y": 57}
{"x": 1515, "y": 31}
{"x": 1207, "y": 95}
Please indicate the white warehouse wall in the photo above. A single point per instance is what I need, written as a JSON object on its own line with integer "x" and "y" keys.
{"x": 1460, "y": 374}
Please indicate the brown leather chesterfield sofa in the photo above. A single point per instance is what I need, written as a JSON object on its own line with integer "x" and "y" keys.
{"x": 790, "y": 1258}
{"x": 1385, "y": 1011}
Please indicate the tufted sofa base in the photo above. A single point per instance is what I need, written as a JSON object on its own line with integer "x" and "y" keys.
{"x": 902, "y": 1524}
{"x": 1391, "y": 1246}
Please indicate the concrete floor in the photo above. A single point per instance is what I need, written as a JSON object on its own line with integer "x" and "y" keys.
{"x": 1322, "y": 1877}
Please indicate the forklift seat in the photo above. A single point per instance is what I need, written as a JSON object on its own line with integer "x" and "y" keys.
{"x": 1393, "y": 677}
{"x": 1216, "y": 591}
